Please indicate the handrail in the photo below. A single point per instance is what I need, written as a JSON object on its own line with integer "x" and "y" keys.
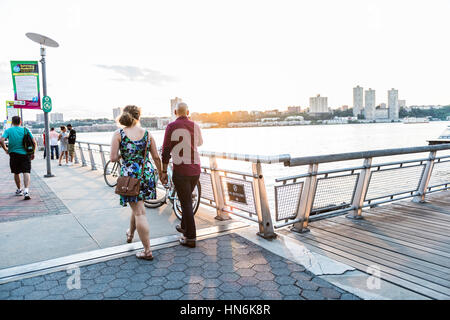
{"x": 254, "y": 158}
{"x": 301, "y": 161}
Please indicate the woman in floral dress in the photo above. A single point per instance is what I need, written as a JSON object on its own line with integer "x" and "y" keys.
{"x": 131, "y": 141}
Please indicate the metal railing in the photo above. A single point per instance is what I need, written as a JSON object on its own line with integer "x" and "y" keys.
{"x": 309, "y": 196}
{"x": 320, "y": 194}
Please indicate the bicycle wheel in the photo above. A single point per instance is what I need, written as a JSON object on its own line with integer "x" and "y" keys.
{"x": 196, "y": 194}
{"x": 161, "y": 196}
{"x": 111, "y": 173}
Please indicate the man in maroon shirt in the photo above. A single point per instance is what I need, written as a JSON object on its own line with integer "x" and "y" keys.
{"x": 181, "y": 139}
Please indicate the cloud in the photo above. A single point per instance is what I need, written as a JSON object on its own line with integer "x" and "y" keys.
{"x": 132, "y": 73}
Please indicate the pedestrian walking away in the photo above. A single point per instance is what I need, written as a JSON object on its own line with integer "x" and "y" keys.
{"x": 63, "y": 138}
{"x": 132, "y": 141}
{"x": 54, "y": 143}
{"x": 19, "y": 157}
{"x": 186, "y": 136}
{"x": 71, "y": 143}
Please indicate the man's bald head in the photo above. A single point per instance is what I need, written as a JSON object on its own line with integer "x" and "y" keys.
{"x": 182, "y": 109}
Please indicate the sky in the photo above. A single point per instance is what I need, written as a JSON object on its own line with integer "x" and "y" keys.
{"x": 228, "y": 55}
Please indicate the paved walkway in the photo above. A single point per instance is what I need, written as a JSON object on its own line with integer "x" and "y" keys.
{"x": 228, "y": 267}
{"x": 70, "y": 213}
{"x": 43, "y": 200}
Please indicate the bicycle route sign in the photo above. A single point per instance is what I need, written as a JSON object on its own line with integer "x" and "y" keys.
{"x": 46, "y": 104}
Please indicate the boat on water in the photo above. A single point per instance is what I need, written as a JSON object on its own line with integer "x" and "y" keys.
{"x": 415, "y": 120}
{"x": 443, "y": 138}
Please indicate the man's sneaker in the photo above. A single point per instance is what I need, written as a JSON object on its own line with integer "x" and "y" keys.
{"x": 26, "y": 196}
{"x": 19, "y": 192}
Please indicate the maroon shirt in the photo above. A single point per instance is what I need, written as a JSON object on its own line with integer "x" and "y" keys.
{"x": 180, "y": 141}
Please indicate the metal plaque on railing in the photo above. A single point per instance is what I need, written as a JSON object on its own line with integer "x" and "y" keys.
{"x": 242, "y": 198}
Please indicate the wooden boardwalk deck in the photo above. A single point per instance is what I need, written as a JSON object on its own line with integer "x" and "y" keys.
{"x": 409, "y": 242}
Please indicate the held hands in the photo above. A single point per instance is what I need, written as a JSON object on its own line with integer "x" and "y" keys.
{"x": 164, "y": 178}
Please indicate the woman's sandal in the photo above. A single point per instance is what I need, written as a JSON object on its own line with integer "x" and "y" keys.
{"x": 142, "y": 255}
{"x": 129, "y": 236}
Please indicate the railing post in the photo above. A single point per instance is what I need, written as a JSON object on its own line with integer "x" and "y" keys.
{"x": 306, "y": 200}
{"x": 361, "y": 189}
{"x": 103, "y": 156}
{"x": 217, "y": 191}
{"x": 76, "y": 161}
{"x": 425, "y": 179}
{"x": 83, "y": 159}
{"x": 91, "y": 156}
{"x": 262, "y": 204}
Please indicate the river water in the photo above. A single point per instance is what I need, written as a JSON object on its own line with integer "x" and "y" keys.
{"x": 308, "y": 140}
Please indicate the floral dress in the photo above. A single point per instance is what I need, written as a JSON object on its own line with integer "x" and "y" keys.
{"x": 132, "y": 153}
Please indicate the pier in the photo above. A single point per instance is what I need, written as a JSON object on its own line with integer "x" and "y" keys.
{"x": 326, "y": 234}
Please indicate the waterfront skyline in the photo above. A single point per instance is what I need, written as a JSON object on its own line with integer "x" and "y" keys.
{"x": 263, "y": 60}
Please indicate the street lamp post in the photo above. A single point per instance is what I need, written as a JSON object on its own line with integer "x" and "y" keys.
{"x": 44, "y": 41}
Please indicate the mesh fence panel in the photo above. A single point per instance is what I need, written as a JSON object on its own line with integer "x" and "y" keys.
{"x": 206, "y": 185}
{"x": 386, "y": 182}
{"x": 334, "y": 192}
{"x": 249, "y": 197}
{"x": 440, "y": 174}
{"x": 287, "y": 198}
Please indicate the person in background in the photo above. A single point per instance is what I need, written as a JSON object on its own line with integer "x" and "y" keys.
{"x": 63, "y": 137}
{"x": 19, "y": 160}
{"x": 185, "y": 135}
{"x": 54, "y": 143}
{"x": 43, "y": 138}
{"x": 71, "y": 143}
{"x": 132, "y": 141}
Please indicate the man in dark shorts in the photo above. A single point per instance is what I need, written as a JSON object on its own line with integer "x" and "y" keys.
{"x": 71, "y": 143}
{"x": 19, "y": 160}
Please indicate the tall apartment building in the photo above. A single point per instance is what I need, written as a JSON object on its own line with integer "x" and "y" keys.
{"x": 401, "y": 104}
{"x": 56, "y": 117}
{"x": 318, "y": 104}
{"x": 358, "y": 99}
{"x": 369, "y": 107}
{"x": 117, "y": 112}
{"x": 393, "y": 104}
{"x": 173, "y": 105}
{"x": 40, "y": 117}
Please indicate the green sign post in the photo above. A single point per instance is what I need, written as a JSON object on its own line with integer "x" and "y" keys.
{"x": 46, "y": 104}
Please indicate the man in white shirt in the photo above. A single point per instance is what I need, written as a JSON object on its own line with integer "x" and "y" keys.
{"x": 54, "y": 142}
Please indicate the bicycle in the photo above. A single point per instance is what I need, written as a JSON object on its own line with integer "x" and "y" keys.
{"x": 111, "y": 173}
{"x": 170, "y": 193}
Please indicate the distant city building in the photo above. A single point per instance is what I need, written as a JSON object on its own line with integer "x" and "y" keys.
{"x": 381, "y": 113}
{"x": 294, "y": 110}
{"x": 393, "y": 104}
{"x": 271, "y": 112}
{"x": 163, "y": 122}
{"x": 56, "y": 117}
{"x": 40, "y": 117}
{"x": 116, "y": 112}
{"x": 369, "y": 107}
{"x": 240, "y": 114}
{"x": 255, "y": 113}
{"x": 318, "y": 104}
{"x": 173, "y": 105}
{"x": 357, "y": 100}
{"x": 401, "y": 104}
{"x": 382, "y": 105}
{"x": 344, "y": 108}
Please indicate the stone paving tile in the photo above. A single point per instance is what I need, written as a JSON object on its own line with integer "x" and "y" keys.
{"x": 43, "y": 200}
{"x": 232, "y": 268}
